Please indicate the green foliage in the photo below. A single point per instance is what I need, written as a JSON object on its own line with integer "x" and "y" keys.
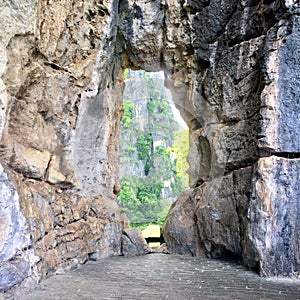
{"x": 128, "y": 114}
{"x": 144, "y": 145}
{"x": 150, "y": 106}
{"x": 140, "y": 201}
{"x": 127, "y": 199}
{"x": 165, "y": 166}
{"x": 163, "y": 106}
{"x": 130, "y": 150}
{"x": 141, "y": 197}
{"x": 147, "y": 166}
{"x": 146, "y": 198}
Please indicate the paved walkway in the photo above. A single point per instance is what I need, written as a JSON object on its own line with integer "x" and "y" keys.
{"x": 161, "y": 276}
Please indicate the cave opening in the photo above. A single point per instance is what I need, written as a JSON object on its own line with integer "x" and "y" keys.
{"x": 153, "y": 149}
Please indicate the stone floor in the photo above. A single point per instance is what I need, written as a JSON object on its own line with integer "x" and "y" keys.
{"x": 161, "y": 276}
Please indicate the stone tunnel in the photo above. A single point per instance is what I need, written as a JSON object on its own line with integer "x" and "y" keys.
{"x": 233, "y": 67}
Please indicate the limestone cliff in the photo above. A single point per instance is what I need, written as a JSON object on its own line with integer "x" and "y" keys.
{"x": 233, "y": 67}
{"x": 61, "y": 96}
{"x": 244, "y": 154}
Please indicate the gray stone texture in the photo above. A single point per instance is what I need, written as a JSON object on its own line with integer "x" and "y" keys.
{"x": 288, "y": 139}
{"x": 60, "y": 133}
{"x": 12, "y": 273}
{"x": 180, "y": 230}
{"x": 160, "y": 276}
{"x": 233, "y": 70}
{"x": 273, "y": 239}
{"x": 244, "y": 103}
{"x": 133, "y": 242}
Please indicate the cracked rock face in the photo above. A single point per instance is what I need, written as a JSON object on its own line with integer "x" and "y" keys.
{"x": 61, "y": 96}
{"x": 232, "y": 69}
{"x": 244, "y": 161}
{"x": 133, "y": 243}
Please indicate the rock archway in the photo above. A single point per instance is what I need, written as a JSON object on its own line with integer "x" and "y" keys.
{"x": 232, "y": 68}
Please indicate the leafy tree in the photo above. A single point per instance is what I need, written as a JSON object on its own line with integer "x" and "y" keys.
{"x": 147, "y": 141}
{"x": 144, "y": 145}
{"x": 150, "y": 106}
{"x": 128, "y": 114}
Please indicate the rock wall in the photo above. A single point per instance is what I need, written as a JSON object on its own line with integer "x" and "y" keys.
{"x": 244, "y": 155}
{"x": 232, "y": 68}
{"x": 61, "y": 92}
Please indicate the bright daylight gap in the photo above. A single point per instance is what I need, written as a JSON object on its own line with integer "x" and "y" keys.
{"x": 153, "y": 150}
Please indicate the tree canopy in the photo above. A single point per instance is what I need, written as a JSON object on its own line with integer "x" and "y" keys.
{"x": 152, "y": 150}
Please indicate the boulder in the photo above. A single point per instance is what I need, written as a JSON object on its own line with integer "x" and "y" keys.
{"x": 133, "y": 242}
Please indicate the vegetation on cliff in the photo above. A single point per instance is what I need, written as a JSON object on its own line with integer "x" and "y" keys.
{"x": 152, "y": 152}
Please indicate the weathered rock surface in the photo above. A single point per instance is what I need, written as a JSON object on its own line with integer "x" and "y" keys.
{"x": 182, "y": 234}
{"x": 240, "y": 108}
{"x": 13, "y": 224}
{"x": 213, "y": 217}
{"x": 233, "y": 70}
{"x": 273, "y": 238}
{"x": 61, "y": 98}
{"x": 133, "y": 242}
{"x": 11, "y": 273}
